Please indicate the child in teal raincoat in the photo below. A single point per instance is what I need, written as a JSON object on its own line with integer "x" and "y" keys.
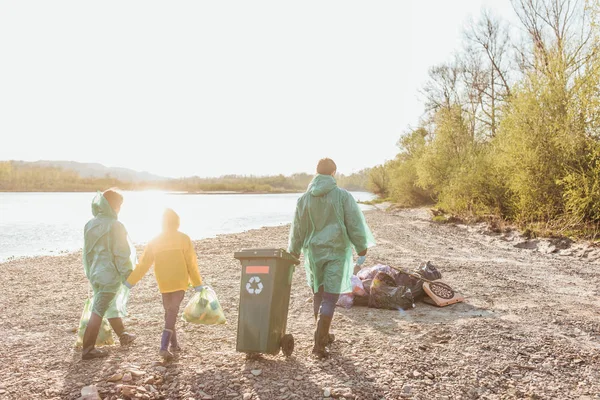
{"x": 327, "y": 225}
{"x": 108, "y": 259}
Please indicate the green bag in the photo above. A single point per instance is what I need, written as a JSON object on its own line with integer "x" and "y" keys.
{"x": 204, "y": 308}
{"x": 105, "y": 337}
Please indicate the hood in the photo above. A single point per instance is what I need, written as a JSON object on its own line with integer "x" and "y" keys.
{"x": 321, "y": 185}
{"x": 100, "y": 207}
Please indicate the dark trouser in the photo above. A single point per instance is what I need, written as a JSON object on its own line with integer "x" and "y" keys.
{"x": 171, "y": 303}
{"x": 324, "y": 303}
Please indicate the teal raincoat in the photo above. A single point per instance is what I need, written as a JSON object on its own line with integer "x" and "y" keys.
{"x": 108, "y": 256}
{"x": 327, "y": 225}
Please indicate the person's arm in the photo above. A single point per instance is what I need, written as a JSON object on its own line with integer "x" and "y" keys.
{"x": 143, "y": 267}
{"x": 121, "y": 250}
{"x": 297, "y": 232}
{"x": 191, "y": 261}
{"x": 356, "y": 226}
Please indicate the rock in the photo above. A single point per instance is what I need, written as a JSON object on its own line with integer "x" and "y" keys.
{"x": 429, "y": 375}
{"x": 89, "y": 393}
{"x": 127, "y": 377}
{"x": 549, "y": 250}
{"x": 160, "y": 369}
{"x": 2, "y": 391}
{"x": 528, "y": 244}
{"x": 416, "y": 374}
{"x": 115, "y": 378}
{"x": 406, "y": 389}
{"x": 137, "y": 373}
{"x": 247, "y": 396}
{"x": 256, "y": 372}
{"x": 72, "y": 330}
{"x": 128, "y": 390}
{"x": 149, "y": 380}
{"x": 342, "y": 392}
{"x": 327, "y": 392}
{"x": 299, "y": 377}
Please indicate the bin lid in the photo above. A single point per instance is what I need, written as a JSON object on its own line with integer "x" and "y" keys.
{"x": 266, "y": 253}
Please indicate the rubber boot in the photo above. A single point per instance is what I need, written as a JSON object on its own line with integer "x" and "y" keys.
{"x": 322, "y": 337}
{"x": 89, "y": 339}
{"x": 124, "y": 337}
{"x": 174, "y": 344}
{"x": 164, "y": 345}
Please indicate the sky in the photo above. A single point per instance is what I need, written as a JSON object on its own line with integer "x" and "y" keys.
{"x": 222, "y": 87}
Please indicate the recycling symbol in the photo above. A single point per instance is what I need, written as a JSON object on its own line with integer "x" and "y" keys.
{"x": 254, "y": 285}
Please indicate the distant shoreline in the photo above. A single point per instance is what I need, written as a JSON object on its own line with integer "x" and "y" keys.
{"x": 217, "y": 192}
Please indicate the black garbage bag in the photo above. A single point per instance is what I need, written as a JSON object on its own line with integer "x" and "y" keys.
{"x": 384, "y": 293}
{"x": 429, "y": 271}
{"x": 367, "y": 285}
{"x": 414, "y": 284}
{"x": 361, "y": 301}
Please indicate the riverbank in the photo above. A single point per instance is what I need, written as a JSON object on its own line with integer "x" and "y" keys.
{"x": 530, "y": 326}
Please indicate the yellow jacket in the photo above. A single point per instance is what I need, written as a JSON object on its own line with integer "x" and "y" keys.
{"x": 175, "y": 263}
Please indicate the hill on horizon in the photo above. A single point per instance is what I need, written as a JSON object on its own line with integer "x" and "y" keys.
{"x": 95, "y": 170}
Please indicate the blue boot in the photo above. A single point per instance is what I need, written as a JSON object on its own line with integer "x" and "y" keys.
{"x": 164, "y": 345}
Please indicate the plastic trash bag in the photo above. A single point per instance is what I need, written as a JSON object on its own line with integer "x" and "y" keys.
{"x": 105, "y": 337}
{"x": 370, "y": 272}
{"x": 357, "y": 286}
{"x": 386, "y": 294}
{"x": 361, "y": 301}
{"x": 341, "y": 228}
{"x": 429, "y": 271}
{"x": 345, "y": 300}
{"x": 367, "y": 286}
{"x": 204, "y": 308}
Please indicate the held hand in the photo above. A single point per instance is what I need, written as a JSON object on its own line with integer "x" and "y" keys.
{"x": 363, "y": 253}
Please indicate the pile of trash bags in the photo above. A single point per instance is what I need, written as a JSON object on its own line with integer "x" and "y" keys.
{"x": 381, "y": 286}
{"x": 204, "y": 308}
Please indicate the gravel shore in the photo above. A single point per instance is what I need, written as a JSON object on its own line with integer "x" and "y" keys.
{"x": 530, "y": 326}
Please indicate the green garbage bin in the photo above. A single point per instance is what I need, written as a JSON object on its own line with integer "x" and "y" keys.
{"x": 264, "y": 300}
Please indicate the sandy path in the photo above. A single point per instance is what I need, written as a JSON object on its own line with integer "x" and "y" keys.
{"x": 530, "y": 327}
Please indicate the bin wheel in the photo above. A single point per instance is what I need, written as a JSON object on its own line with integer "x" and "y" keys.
{"x": 287, "y": 345}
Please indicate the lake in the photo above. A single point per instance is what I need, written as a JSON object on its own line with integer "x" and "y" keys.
{"x": 52, "y": 223}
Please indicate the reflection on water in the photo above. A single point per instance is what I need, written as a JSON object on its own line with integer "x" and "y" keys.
{"x": 48, "y": 223}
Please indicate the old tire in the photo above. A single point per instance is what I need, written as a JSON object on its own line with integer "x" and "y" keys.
{"x": 287, "y": 345}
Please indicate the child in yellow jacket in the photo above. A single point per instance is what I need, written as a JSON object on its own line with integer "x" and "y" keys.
{"x": 175, "y": 266}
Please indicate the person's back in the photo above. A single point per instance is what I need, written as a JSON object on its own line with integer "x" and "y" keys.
{"x": 327, "y": 225}
{"x": 174, "y": 261}
{"x": 322, "y": 209}
{"x": 107, "y": 262}
{"x": 175, "y": 267}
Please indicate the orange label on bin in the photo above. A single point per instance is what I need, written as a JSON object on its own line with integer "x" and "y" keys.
{"x": 257, "y": 270}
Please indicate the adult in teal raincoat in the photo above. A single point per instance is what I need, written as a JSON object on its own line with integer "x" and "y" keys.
{"x": 108, "y": 259}
{"x": 327, "y": 226}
